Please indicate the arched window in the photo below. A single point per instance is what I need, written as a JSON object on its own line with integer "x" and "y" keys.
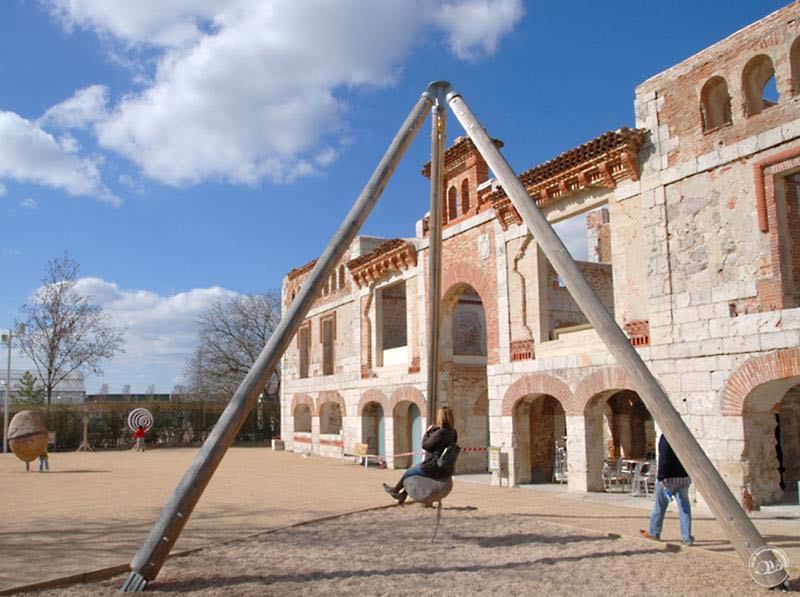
{"x": 341, "y": 276}
{"x": 452, "y": 204}
{"x": 758, "y": 85}
{"x": 302, "y": 419}
{"x": 794, "y": 60}
{"x": 465, "y": 203}
{"x": 330, "y": 418}
{"x": 715, "y": 104}
{"x": 333, "y": 282}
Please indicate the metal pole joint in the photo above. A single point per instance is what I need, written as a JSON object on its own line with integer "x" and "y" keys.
{"x": 439, "y": 93}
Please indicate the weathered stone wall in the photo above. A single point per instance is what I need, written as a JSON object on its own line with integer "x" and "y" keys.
{"x": 598, "y": 236}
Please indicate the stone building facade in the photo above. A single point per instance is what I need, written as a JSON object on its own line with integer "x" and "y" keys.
{"x": 694, "y": 245}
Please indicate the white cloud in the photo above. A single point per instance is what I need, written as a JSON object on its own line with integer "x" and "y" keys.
{"x": 157, "y": 22}
{"x": 3, "y": 190}
{"x": 30, "y": 154}
{"x": 85, "y": 107}
{"x": 29, "y": 203}
{"x": 474, "y": 27}
{"x": 161, "y": 331}
{"x": 252, "y": 89}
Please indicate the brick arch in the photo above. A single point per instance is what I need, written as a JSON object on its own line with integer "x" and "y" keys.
{"x": 330, "y": 396}
{"x": 303, "y": 399}
{"x": 457, "y": 274}
{"x": 536, "y": 383}
{"x": 603, "y": 380}
{"x": 374, "y": 396}
{"x": 408, "y": 394}
{"x": 754, "y": 372}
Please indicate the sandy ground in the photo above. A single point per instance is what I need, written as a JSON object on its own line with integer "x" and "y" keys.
{"x": 94, "y": 510}
{"x": 391, "y": 553}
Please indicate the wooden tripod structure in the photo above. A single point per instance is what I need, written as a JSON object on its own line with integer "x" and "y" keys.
{"x": 741, "y": 532}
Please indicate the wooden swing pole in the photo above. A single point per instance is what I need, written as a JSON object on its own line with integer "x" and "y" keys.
{"x": 147, "y": 562}
{"x": 434, "y": 261}
{"x": 729, "y": 513}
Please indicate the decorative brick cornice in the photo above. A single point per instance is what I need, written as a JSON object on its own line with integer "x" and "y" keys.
{"x": 299, "y": 271}
{"x": 638, "y": 331}
{"x": 458, "y": 153}
{"x": 602, "y": 162}
{"x": 522, "y": 350}
{"x": 394, "y": 255}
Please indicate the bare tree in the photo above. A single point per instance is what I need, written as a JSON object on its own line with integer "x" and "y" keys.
{"x": 151, "y": 391}
{"x": 179, "y": 392}
{"x": 126, "y": 391}
{"x": 231, "y": 333}
{"x": 66, "y": 333}
{"x": 103, "y": 393}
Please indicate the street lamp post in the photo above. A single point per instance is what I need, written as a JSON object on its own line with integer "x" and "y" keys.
{"x": 8, "y": 337}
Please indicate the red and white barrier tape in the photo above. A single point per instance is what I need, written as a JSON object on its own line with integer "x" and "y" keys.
{"x": 423, "y": 451}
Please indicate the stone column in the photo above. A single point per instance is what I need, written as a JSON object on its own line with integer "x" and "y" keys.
{"x": 577, "y": 478}
{"x": 538, "y": 307}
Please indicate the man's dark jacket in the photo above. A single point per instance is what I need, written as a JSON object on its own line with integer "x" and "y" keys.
{"x": 669, "y": 467}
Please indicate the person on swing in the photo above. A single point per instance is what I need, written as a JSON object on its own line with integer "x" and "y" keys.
{"x": 436, "y": 439}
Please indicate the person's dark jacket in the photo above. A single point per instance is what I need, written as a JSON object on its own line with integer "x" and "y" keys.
{"x": 435, "y": 440}
{"x": 669, "y": 467}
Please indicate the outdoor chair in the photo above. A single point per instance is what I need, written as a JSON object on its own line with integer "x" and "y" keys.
{"x": 639, "y": 481}
{"x": 613, "y": 477}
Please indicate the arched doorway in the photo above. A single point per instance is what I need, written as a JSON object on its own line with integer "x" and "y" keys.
{"x": 772, "y": 442}
{"x": 464, "y": 350}
{"x": 618, "y": 426}
{"x": 373, "y": 428}
{"x": 539, "y": 427}
{"x": 407, "y": 434}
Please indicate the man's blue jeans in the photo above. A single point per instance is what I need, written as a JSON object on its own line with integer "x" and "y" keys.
{"x": 660, "y": 510}
{"x": 413, "y": 471}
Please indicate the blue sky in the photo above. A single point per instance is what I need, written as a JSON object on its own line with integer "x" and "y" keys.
{"x": 183, "y": 150}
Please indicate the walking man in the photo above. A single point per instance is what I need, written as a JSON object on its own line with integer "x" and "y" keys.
{"x": 672, "y": 481}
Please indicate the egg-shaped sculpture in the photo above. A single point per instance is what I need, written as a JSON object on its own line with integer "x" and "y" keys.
{"x": 27, "y": 435}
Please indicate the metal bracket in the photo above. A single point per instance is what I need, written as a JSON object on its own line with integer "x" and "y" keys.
{"x": 135, "y": 583}
{"x": 439, "y": 92}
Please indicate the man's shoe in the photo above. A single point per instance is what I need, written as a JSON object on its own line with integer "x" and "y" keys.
{"x": 647, "y": 535}
{"x": 402, "y": 498}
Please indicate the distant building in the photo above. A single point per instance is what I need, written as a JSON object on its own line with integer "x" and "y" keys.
{"x": 72, "y": 390}
{"x": 128, "y": 397}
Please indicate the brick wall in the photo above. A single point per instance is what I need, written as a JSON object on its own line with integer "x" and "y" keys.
{"x": 675, "y": 94}
{"x": 564, "y": 311}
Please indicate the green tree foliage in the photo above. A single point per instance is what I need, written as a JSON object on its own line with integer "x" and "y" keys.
{"x": 28, "y": 390}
